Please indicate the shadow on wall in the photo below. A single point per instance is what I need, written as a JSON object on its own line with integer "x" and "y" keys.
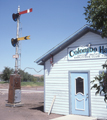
{"x": 62, "y": 55}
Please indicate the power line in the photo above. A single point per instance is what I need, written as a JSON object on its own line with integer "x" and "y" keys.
{"x": 33, "y": 69}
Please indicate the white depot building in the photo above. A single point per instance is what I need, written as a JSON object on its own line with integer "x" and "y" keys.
{"x": 68, "y": 70}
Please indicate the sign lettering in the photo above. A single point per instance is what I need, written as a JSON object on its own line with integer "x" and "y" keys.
{"x": 87, "y": 52}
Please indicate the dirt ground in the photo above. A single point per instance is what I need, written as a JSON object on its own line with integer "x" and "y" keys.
{"x": 32, "y": 109}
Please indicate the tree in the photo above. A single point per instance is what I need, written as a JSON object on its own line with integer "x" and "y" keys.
{"x": 25, "y": 76}
{"x": 21, "y": 73}
{"x": 100, "y": 84}
{"x": 96, "y": 14}
{"x": 42, "y": 78}
{"x": 6, "y": 73}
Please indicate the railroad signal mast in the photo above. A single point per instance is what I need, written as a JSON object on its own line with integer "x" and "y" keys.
{"x": 14, "y": 95}
{"x": 15, "y": 41}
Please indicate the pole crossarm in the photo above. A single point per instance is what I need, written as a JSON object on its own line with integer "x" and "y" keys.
{"x": 24, "y": 38}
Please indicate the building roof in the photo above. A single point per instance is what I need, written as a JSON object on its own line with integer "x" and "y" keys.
{"x": 65, "y": 43}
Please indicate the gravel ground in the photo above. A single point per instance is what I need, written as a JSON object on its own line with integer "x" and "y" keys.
{"x": 32, "y": 108}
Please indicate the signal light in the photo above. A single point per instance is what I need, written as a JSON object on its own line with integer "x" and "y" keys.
{"x": 14, "y": 42}
{"x": 15, "y": 16}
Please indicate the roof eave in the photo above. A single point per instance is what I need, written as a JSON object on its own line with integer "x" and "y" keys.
{"x": 65, "y": 43}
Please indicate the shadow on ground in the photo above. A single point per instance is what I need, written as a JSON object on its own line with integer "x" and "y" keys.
{"x": 40, "y": 108}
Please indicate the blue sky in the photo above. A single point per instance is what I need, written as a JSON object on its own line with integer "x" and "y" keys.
{"x": 50, "y": 23}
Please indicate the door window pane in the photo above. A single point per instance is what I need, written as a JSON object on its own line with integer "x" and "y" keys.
{"x": 79, "y": 85}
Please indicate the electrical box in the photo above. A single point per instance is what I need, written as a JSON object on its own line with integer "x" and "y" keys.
{"x": 17, "y": 97}
{"x": 14, "y": 95}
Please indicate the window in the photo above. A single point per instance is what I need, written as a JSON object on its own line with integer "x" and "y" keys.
{"x": 79, "y": 85}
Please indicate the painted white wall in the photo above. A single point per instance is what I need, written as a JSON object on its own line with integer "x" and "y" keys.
{"x": 57, "y": 78}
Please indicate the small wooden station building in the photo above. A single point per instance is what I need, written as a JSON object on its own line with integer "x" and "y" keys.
{"x": 68, "y": 70}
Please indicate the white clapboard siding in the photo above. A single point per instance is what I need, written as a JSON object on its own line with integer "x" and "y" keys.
{"x": 66, "y": 72}
{"x": 58, "y": 103}
{"x": 101, "y": 107}
{"x": 58, "y": 111}
{"x": 58, "y": 87}
{"x": 78, "y": 62}
{"x": 58, "y": 99}
{"x": 89, "y": 38}
{"x": 61, "y": 94}
{"x": 65, "y": 98}
{"x": 56, "y": 107}
{"x": 57, "y": 78}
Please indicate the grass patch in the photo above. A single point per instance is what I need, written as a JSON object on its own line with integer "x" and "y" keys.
{"x": 3, "y": 82}
{"x": 32, "y": 84}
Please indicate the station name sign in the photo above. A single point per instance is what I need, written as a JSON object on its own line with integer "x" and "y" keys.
{"x": 99, "y": 51}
